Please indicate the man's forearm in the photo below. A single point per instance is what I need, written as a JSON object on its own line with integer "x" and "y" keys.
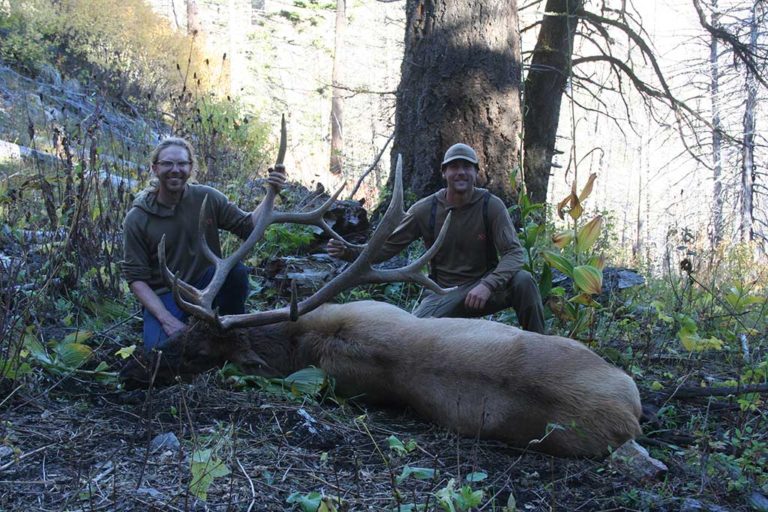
{"x": 150, "y": 300}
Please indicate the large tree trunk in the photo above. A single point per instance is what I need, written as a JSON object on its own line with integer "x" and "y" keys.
{"x": 748, "y": 145}
{"x": 544, "y": 86}
{"x": 717, "y": 135}
{"x": 337, "y": 101}
{"x": 460, "y": 83}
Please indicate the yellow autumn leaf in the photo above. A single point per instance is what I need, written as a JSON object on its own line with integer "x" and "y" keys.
{"x": 588, "y": 187}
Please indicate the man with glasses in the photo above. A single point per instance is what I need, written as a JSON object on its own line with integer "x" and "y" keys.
{"x": 171, "y": 207}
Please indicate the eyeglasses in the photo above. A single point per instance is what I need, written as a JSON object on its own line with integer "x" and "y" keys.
{"x": 167, "y": 165}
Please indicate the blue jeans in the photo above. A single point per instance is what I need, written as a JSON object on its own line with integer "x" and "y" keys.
{"x": 230, "y": 301}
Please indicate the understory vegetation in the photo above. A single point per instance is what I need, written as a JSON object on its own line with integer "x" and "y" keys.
{"x": 71, "y": 438}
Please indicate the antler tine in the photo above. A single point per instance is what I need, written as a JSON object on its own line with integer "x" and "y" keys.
{"x": 412, "y": 272}
{"x": 170, "y": 277}
{"x": 314, "y": 217}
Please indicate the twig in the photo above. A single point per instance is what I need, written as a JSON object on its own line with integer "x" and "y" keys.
{"x": 24, "y": 456}
{"x": 372, "y": 167}
{"x": 250, "y": 482}
{"x": 149, "y": 419}
{"x": 692, "y": 392}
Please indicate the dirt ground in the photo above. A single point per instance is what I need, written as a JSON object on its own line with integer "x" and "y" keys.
{"x": 80, "y": 446}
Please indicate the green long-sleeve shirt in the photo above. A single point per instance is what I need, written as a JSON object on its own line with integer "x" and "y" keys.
{"x": 148, "y": 220}
{"x": 462, "y": 258}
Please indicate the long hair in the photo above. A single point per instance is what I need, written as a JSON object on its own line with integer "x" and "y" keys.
{"x": 165, "y": 143}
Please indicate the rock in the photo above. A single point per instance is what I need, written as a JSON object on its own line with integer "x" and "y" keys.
{"x": 167, "y": 441}
{"x": 6, "y": 454}
{"x": 150, "y": 491}
{"x": 310, "y": 433}
{"x": 758, "y": 502}
{"x": 691, "y": 505}
{"x": 694, "y": 505}
{"x": 633, "y": 461}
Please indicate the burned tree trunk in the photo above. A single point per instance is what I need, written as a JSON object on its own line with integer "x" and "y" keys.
{"x": 460, "y": 83}
{"x": 544, "y": 86}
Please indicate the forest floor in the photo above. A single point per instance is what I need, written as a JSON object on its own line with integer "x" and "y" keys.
{"x": 81, "y": 445}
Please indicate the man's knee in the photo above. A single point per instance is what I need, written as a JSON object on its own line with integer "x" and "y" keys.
{"x": 524, "y": 282}
{"x": 238, "y": 277}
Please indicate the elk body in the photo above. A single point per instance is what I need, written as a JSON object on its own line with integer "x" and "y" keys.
{"x": 476, "y": 377}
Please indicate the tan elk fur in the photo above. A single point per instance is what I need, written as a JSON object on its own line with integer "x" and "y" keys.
{"x": 475, "y": 377}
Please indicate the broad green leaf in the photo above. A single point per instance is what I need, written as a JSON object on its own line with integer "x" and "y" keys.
{"x": 126, "y": 352}
{"x": 585, "y": 299}
{"x": 467, "y": 498}
{"x": 417, "y": 473}
{"x": 36, "y": 349}
{"x": 597, "y": 261}
{"x": 78, "y": 337}
{"x": 588, "y": 278}
{"x": 73, "y": 355}
{"x": 101, "y": 367}
{"x": 397, "y": 445}
{"x": 12, "y": 371}
{"x": 511, "y": 504}
{"x": 445, "y": 496}
{"x": 476, "y": 476}
{"x": 309, "y": 502}
{"x": 739, "y": 301}
{"x": 309, "y": 381}
{"x": 562, "y": 238}
{"x": 545, "y": 282}
{"x": 558, "y": 262}
{"x": 692, "y": 342}
{"x": 588, "y": 234}
{"x": 531, "y": 234}
{"x": 656, "y": 386}
{"x": 205, "y": 468}
{"x": 583, "y": 321}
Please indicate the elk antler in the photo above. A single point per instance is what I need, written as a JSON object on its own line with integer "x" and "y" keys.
{"x": 199, "y": 303}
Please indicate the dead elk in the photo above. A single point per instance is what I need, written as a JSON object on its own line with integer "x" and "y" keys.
{"x": 476, "y": 377}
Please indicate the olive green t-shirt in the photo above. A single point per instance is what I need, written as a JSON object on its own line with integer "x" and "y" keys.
{"x": 462, "y": 258}
{"x": 148, "y": 220}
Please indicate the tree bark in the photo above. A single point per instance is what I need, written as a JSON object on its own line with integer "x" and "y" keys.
{"x": 543, "y": 91}
{"x": 193, "y": 18}
{"x": 717, "y": 135}
{"x": 337, "y": 101}
{"x": 748, "y": 145}
{"x": 459, "y": 83}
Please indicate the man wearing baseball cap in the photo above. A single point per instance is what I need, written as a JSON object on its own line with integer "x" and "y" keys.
{"x": 480, "y": 255}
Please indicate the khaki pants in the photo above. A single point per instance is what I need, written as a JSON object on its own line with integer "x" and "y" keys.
{"x": 521, "y": 293}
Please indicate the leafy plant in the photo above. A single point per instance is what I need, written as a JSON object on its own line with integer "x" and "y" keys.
{"x": 464, "y": 498}
{"x": 573, "y": 257}
{"x": 205, "y": 468}
{"x": 314, "y": 502}
{"x": 400, "y": 448}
